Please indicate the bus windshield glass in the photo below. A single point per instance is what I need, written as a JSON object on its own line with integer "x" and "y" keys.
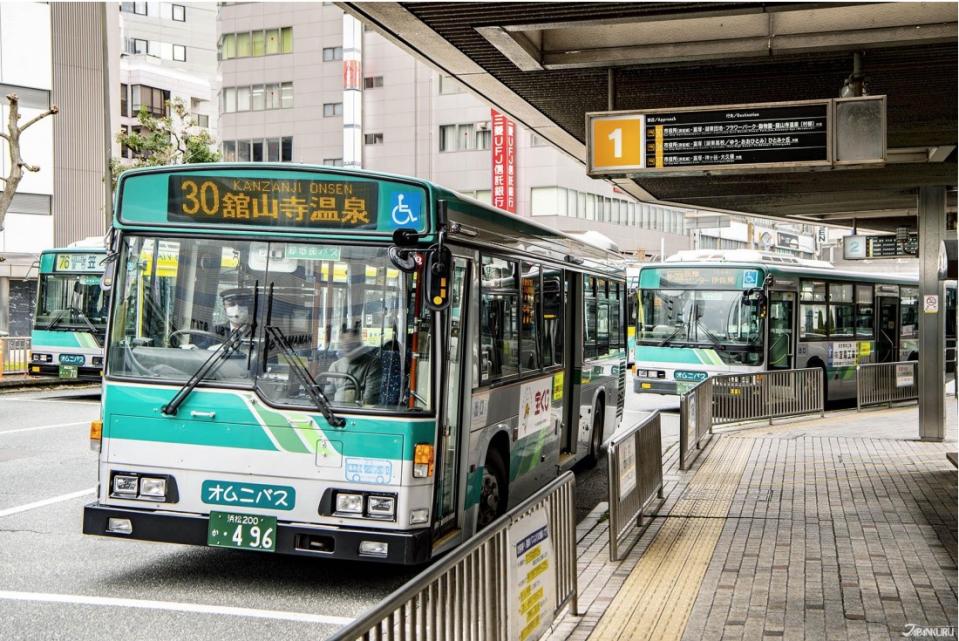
{"x": 71, "y": 302}
{"x": 725, "y": 321}
{"x": 342, "y": 313}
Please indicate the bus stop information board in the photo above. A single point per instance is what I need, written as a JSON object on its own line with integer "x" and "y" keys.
{"x": 734, "y": 137}
{"x": 886, "y": 246}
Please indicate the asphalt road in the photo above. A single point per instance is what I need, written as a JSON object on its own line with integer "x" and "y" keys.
{"x": 56, "y": 583}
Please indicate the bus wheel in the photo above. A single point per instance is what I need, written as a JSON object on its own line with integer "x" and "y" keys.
{"x": 596, "y": 438}
{"x": 492, "y": 501}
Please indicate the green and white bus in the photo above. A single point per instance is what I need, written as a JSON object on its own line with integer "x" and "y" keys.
{"x": 342, "y": 364}
{"x": 70, "y": 316}
{"x": 705, "y": 312}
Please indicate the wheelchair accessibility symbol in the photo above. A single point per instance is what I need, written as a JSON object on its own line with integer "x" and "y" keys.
{"x": 407, "y": 209}
{"x": 402, "y": 214}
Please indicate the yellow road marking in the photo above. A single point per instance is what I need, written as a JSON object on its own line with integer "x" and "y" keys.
{"x": 657, "y": 597}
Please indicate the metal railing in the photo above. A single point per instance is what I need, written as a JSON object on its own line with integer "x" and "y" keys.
{"x": 878, "y": 383}
{"x": 635, "y": 480}
{"x": 767, "y": 395}
{"x": 467, "y": 595}
{"x": 695, "y": 422}
{"x": 14, "y": 354}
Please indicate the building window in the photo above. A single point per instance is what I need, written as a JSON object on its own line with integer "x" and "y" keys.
{"x": 450, "y": 85}
{"x": 139, "y": 8}
{"x": 331, "y": 109}
{"x": 229, "y": 150}
{"x": 465, "y": 137}
{"x": 124, "y": 100}
{"x": 372, "y": 82}
{"x": 333, "y": 162}
{"x": 332, "y": 53}
{"x": 272, "y": 96}
{"x": 152, "y": 99}
{"x": 257, "y": 43}
{"x": 536, "y": 140}
{"x": 137, "y": 45}
{"x": 229, "y": 100}
{"x": 203, "y": 120}
{"x": 242, "y": 98}
{"x": 257, "y": 97}
{"x": 179, "y": 53}
{"x": 286, "y": 149}
{"x": 373, "y": 139}
{"x": 286, "y": 96}
{"x": 179, "y": 12}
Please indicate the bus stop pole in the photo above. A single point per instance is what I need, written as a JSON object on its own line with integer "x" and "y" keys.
{"x": 932, "y": 326}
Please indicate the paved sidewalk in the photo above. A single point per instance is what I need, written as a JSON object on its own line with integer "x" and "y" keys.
{"x": 836, "y": 528}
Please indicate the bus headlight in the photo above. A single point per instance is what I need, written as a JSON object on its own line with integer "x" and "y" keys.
{"x": 381, "y": 506}
{"x": 349, "y": 503}
{"x": 153, "y": 488}
{"x": 125, "y": 485}
{"x": 421, "y": 515}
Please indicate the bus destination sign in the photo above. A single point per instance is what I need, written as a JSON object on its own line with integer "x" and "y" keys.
{"x": 306, "y": 204}
{"x": 78, "y": 263}
{"x": 755, "y": 136}
{"x": 693, "y": 140}
{"x": 706, "y": 277}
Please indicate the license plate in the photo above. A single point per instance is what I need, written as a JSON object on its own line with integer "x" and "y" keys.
{"x": 242, "y": 531}
{"x": 68, "y": 371}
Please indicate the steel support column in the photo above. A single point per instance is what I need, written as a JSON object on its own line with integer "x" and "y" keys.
{"x": 932, "y": 326}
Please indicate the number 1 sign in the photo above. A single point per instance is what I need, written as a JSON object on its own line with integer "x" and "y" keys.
{"x": 616, "y": 142}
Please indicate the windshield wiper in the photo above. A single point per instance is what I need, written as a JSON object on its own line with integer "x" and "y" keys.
{"x": 672, "y": 336}
{"x": 712, "y": 337}
{"x": 56, "y": 319}
{"x": 209, "y": 366}
{"x": 86, "y": 320}
{"x": 302, "y": 375}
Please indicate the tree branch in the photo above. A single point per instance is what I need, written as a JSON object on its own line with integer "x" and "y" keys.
{"x": 49, "y": 112}
{"x": 29, "y": 167}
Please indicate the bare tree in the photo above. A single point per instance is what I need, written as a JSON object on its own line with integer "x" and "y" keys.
{"x": 17, "y": 163}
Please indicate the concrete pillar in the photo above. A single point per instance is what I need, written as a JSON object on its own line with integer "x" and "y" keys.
{"x": 4, "y": 305}
{"x": 932, "y": 326}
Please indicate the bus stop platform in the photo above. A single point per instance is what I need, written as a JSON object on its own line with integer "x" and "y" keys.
{"x": 842, "y": 527}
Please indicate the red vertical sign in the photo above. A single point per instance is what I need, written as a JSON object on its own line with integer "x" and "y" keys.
{"x": 351, "y": 74}
{"x": 504, "y": 162}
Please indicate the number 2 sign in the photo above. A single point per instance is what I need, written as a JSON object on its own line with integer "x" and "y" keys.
{"x": 616, "y": 142}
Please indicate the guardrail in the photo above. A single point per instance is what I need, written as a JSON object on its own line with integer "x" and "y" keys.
{"x": 767, "y": 395}
{"x": 474, "y": 592}
{"x": 14, "y": 354}
{"x": 737, "y": 398}
{"x": 695, "y": 422}
{"x": 878, "y": 383}
{"x": 635, "y": 479}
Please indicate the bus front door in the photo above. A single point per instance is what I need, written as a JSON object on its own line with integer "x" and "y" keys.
{"x": 887, "y": 338}
{"x": 448, "y": 439}
{"x": 780, "y": 342}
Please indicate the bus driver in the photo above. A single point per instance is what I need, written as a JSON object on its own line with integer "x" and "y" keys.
{"x": 358, "y": 365}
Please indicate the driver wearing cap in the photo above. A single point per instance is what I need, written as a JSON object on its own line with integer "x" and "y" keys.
{"x": 237, "y": 303}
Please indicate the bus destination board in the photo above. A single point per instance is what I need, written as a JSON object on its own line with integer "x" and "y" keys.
{"x": 78, "y": 263}
{"x": 752, "y": 136}
{"x": 699, "y": 278}
{"x": 298, "y": 203}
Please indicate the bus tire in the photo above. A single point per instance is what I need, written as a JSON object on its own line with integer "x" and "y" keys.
{"x": 493, "y": 493}
{"x": 596, "y": 438}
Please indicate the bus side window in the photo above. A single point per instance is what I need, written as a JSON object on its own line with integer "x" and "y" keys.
{"x": 499, "y": 320}
{"x": 531, "y": 318}
{"x": 554, "y": 328}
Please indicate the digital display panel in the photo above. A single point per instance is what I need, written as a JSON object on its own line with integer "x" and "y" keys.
{"x": 281, "y": 202}
{"x": 699, "y": 278}
{"x": 78, "y": 262}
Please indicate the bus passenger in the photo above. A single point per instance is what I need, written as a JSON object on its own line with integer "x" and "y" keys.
{"x": 360, "y": 365}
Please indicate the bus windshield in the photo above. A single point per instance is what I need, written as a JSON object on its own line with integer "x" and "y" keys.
{"x": 71, "y": 302}
{"x": 347, "y": 316}
{"x": 725, "y": 321}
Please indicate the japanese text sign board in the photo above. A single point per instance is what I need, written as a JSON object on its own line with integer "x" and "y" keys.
{"x": 504, "y": 162}
{"x": 710, "y": 138}
{"x": 79, "y": 263}
{"x": 532, "y": 577}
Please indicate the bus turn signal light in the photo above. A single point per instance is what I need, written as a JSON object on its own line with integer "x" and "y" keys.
{"x": 423, "y": 461}
{"x": 96, "y": 433}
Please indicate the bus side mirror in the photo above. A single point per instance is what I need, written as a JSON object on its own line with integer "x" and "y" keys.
{"x": 106, "y": 281}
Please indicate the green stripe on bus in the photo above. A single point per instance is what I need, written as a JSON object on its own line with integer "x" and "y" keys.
{"x": 42, "y": 338}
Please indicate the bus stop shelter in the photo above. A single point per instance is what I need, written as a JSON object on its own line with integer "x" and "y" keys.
{"x": 547, "y": 65}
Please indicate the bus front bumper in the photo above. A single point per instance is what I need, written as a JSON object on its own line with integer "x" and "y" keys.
{"x": 92, "y": 373}
{"x": 405, "y": 548}
{"x": 654, "y": 386}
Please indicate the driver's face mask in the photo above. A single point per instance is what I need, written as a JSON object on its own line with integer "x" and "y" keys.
{"x": 237, "y": 314}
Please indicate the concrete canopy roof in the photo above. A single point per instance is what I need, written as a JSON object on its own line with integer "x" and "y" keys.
{"x": 548, "y": 64}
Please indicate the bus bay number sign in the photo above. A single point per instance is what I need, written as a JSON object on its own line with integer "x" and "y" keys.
{"x": 272, "y": 202}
